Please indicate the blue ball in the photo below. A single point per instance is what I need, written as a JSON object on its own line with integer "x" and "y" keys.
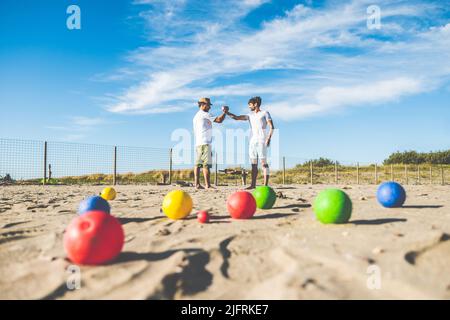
{"x": 94, "y": 203}
{"x": 391, "y": 195}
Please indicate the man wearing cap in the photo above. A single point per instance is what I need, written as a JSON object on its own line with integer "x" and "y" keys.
{"x": 203, "y": 138}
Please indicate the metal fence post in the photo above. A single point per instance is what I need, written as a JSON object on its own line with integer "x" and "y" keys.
{"x": 311, "y": 172}
{"x": 336, "y": 177}
{"x": 115, "y": 166}
{"x": 406, "y": 174}
{"x": 216, "y": 177}
{"x": 284, "y": 170}
{"x": 357, "y": 173}
{"x": 431, "y": 173}
{"x": 376, "y": 174}
{"x": 44, "y": 181}
{"x": 418, "y": 174}
{"x": 170, "y": 165}
{"x": 442, "y": 175}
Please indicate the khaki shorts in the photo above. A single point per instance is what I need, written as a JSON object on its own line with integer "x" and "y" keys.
{"x": 204, "y": 156}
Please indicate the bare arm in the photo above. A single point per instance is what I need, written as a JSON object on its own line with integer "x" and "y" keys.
{"x": 220, "y": 118}
{"x": 235, "y": 117}
{"x": 272, "y": 127}
{"x": 226, "y": 110}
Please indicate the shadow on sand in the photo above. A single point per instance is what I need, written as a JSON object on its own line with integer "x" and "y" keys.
{"x": 292, "y": 206}
{"x": 192, "y": 279}
{"x": 375, "y": 222}
{"x": 422, "y": 207}
{"x": 273, "y": 216}
{"x": 124, "y": 220}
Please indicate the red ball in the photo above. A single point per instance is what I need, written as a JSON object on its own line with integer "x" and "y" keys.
{"x": 203, "y": 217}
{"x": 241, "y": 205}
{"x": 93, "y": 238}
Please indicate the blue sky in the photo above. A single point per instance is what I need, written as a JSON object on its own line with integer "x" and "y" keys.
{"x": 134, "y": 71}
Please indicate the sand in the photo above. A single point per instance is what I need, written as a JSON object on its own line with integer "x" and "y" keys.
{"x": 282, "y": 253}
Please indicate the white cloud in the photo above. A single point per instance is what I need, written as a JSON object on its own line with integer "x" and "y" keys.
{"x": 86, "y": 121}
{"x": 367, "y": 70}
{"x": 77, "y": 127}
{"x": 380, "y": 91}
{"x": 332, "y": 99}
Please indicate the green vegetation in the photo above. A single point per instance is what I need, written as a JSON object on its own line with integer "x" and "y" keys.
{"x": 405, "y": 157}
{"x": 405, "y": 174}
{"x": 413, "y": 157}
{"x": 321, "y": 162}
{"x": 300, "y": 174}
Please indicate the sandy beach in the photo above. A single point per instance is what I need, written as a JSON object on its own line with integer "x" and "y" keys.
{"x": 282, "y": 253}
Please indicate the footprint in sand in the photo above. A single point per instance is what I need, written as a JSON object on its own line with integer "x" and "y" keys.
{"x": 19, "y": 234}
{"x": 163, "y": 232}
{"x": 4, "y": 209}
{"x": 39, "y": 206}
{"x": 9, "y": 225}
{"x": 280, "y": 224}
{"x": 66, "y": 211}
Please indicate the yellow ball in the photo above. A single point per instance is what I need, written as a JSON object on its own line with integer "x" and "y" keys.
{"x": 108, "y": 193}
{"x": 177, "y": 204}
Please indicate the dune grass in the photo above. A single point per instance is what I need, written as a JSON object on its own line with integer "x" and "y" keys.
{"x": 301, "y": 174}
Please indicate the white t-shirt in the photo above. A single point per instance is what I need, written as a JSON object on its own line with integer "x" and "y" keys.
{"x": 258, "y": 123}
{"x": 203, "y": 127}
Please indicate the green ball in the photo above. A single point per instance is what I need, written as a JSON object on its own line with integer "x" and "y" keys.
{"x": 332, "y": 206}
{"x": 265, "y": 197}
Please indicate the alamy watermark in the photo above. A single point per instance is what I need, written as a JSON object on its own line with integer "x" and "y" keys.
{"x": 73, "y": 21}
{"x": 74, "y": 277}
{"x": 230, "y": 145}
{"x": 374, "y": 17}
{"x": 374, "y": 278}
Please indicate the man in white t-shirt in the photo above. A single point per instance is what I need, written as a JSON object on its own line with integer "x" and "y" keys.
{"x": 259, "y": 120}
{"x": 203, "y": 138}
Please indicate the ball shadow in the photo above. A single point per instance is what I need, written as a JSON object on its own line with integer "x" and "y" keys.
{"x": 422, "y": 207}
{"x": 292, "y": 206}
{"x": 377, "y": 221}
{"x": 273, "y": 216}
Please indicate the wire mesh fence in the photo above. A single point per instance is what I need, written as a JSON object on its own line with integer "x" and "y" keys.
{"x": 40, "y": 162}
{"x": 21, "y": 159}
{"x": 79, "y": 163}
{"x": 142, "y": 165}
